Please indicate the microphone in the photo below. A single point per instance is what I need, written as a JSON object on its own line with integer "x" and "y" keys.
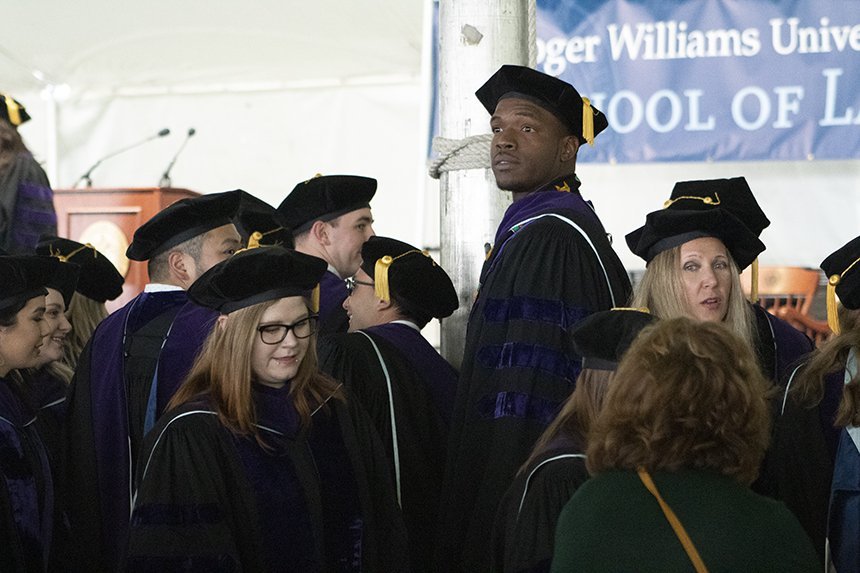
{"x": 165, "y": 177}
{"x": 86, "y": 176}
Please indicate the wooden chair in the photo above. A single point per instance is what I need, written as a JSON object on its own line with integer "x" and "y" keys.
{"x": 788, "y": 292}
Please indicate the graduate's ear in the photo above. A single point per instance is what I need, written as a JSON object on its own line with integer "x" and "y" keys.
{"x": 222, "y": 321}
{"x": 178, "y": 263}
{"x": 569, "y": 147}
{"x": 382, "y": 305}
{"x": 319, "y": 231}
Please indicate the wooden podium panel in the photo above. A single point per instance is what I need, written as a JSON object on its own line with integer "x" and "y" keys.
{"x": 107, "y": 219}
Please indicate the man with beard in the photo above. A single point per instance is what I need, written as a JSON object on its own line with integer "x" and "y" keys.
{"x": 131, "y": 367}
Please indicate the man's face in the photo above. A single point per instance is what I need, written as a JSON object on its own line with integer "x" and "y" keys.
{"x": 530, "y": 146}
{"x": 346, "y": 235}
{"x": 362, "y": 305}
{"x": 219, "y": 244}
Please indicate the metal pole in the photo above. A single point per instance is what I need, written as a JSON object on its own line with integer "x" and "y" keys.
{"x": 475, "y": 38}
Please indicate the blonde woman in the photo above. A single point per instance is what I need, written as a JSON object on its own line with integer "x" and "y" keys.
{"x": 263, "y": 463}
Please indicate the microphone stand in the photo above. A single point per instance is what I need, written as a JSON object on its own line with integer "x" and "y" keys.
{"x": 165, "y": 177}
{"x": 86, "y": 176}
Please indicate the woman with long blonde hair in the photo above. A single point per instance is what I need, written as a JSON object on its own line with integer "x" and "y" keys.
{"x": 695, "y": 249}
{"x": 263, "y": 463}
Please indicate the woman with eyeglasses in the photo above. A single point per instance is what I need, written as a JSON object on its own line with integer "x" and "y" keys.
{"x": 263, "y": 463}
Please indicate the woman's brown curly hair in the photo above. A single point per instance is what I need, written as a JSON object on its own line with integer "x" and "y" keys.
{"x": 688, "y": 394}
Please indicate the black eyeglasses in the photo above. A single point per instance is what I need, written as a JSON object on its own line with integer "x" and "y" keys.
{"x": 351, "y": 283}
{"x": 276, "y": 333}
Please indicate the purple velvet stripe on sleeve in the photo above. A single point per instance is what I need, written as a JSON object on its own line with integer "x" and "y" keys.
{"x": 844, "y": 520}
{"x": 190, "y": 328}
{"x": 440, "y": 378}
{"x": 529, "y": 357}
{"x": 533, "y": 309}
{"x": 34, "y": 214}
{"x": 517, "y": 405}
{"x": 332, "y": 294}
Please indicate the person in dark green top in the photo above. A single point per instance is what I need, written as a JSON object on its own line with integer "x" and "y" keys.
{"x": 687, "y": 415}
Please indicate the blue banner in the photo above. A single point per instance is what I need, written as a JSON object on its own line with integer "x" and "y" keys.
{"x": 703, "y": 80}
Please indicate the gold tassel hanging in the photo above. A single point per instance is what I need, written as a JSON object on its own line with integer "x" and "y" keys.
{"x": 13, "y": 109}
{"x": 254, "y": 240}
{"x": 587, "y": 121}
{"x": 754, "y": 282}
{"x": 380, "y": 278}
{"x": 832, "y": 311}
{"x": 315, "y": 299}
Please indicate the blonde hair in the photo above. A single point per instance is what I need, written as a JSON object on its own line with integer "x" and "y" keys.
{"x": 223, "y": 368}
{"x": 661, "y": 291}
{"x": 84, "y": 314}
{"x": 808, "y": 389}
{"x": 687, "y": 394}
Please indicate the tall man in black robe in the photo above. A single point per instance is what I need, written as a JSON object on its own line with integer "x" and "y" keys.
{"x": 131, "y": 367}
{"x": 330, "y": 218}
{"x": 401, "y": 380}
{"x": 551, "y": 265}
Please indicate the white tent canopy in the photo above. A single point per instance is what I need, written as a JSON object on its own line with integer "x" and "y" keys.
{"x": 280, "y": 90}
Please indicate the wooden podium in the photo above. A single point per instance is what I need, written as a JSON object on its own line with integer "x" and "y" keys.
{"x": 107, "y": 219}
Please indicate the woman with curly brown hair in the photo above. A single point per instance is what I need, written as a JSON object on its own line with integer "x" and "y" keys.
{"x": 679, "y": 439}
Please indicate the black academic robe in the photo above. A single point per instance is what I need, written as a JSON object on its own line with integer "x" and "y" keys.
{"x": 798, "y": 465}
{"x": 26, "y": 206}
{"x": 211, "y": 500}
{"x": 27, "y": 511}
{"x": 551, "y": 266}
{"x": 423, "y": 385}
{"x": 524, "y": 530}
{"x": 780, "y": 346}
{"x": 332, "y": 315}
{"x": 117, "y": 393}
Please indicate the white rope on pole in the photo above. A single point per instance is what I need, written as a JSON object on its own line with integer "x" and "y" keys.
{"x": 532, "y": 33}
{"x": 458, "y": 154}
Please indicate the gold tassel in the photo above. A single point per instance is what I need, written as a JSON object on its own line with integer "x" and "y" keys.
{"x": 587, "y": 121}
{"x": 254, "y": 240}
{"x": 754, "y": 281}
{"x": 315, "y": 299}
{"x": 13, "y": 109}
{"x": 832, "y": 311}
{"x": 380, "y": 278}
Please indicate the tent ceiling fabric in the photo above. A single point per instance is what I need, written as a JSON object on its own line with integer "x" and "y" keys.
{"x": 94, "y": 45}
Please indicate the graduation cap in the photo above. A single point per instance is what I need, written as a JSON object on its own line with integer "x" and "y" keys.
{"x": 554, "y": 95}
{"x": 733, "y": 195}
{"x": 65, "y": 280}
{"x": 843, "y": 278}
{"x": 671, "y": 227}
{"x": 24, "y": 277}
{"x": 325, "y": 197}
{"x": 12, "y": 111}
{"x": 181, "y": 221}
{"x": 602, "y": 338}
{"x": 261, "y": 224}
{"x": 258, "y": 275}
{"x": 409, "y": 273}
{"x": 98, "y": 280}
